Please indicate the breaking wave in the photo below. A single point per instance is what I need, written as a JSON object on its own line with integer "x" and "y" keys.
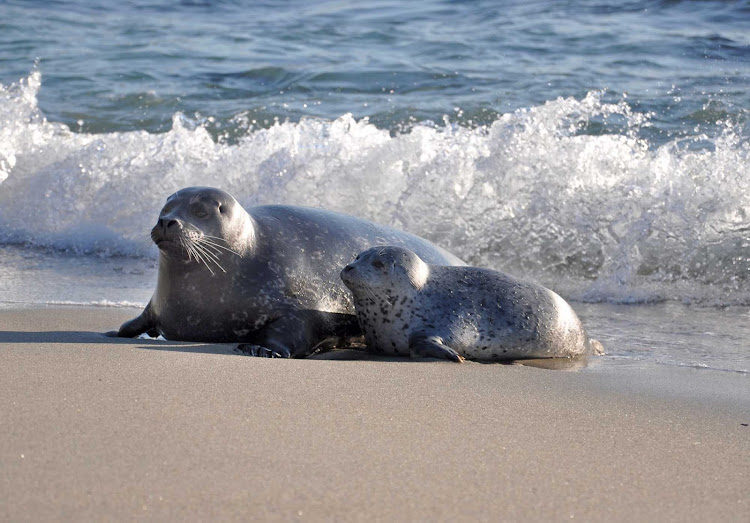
{"x": 605, "y": 216}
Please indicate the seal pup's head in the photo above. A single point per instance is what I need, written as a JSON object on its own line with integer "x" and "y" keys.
{"x": 385, "y": 269}
{"x": 204, "y": 225}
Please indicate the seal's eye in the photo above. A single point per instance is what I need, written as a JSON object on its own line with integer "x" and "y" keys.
{"x": 378, "y": 264}
{"x": 199, "y": 213}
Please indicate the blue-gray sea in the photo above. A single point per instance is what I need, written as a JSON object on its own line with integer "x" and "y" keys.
{"x": 600, "y": 148}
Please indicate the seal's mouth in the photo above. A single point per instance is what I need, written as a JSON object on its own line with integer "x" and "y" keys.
{"x": 190, "y": 245}
{"x": 169, "y": 245}
{"x": 352, "y": 278}
{"x": 159, "y": 238}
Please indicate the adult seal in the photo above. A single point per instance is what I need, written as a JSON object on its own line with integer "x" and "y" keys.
{"x": 408, "y": 307}
{"x": 267, "y": 277}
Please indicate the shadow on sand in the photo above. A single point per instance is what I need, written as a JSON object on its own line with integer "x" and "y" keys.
{"x": 229, "y": 349}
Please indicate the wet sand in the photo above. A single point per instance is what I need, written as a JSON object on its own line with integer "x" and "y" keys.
{"x": 93, "y": 428}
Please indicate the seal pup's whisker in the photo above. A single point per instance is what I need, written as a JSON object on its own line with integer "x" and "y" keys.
{"x": 143, "y": 245}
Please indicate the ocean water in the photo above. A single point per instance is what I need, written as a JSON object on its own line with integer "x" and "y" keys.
{"x": 600, "y": 148}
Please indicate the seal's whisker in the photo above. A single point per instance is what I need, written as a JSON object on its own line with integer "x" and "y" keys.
{"x": 202, "y": 259}
{"x": 208, "y": 256}
{"x": 143, "y": 245}
{"x": 186, "y": 247}
{"x": 209, "y": 240}
{"x": 193, "y": 253}
{"x": 211, "y": 248}
{"x": 219, "y": 242}
{"x": 215, "y": 238}
{"x": 210, "y": 251}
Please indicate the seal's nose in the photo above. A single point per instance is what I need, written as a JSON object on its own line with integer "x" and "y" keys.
{"x": 166, "y": 223}
{"x": 345, "y": 272}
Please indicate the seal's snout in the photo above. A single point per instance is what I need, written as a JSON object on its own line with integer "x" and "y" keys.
{"x": 347, "y": 271}
{"x": 348, "y": 274}
{"x": 166, "y": 230}
{"x": 166, "y": 223}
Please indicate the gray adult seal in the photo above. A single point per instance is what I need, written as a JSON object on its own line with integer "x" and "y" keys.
{"x": 408, "y": 307}
{"x": 267, "y": 277}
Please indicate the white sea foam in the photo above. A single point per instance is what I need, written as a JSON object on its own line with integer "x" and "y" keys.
{"x": 597, "y": 217}
{"x": 101, "y": 303}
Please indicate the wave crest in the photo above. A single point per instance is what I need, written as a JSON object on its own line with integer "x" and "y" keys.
{"x": 541, "y": 192}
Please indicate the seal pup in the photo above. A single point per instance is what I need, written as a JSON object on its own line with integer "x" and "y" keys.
{"x": 408, "y": 307}
{"x": 266, "y": 277}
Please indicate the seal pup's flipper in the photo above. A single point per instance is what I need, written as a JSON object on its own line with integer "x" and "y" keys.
{"x": 424, "y": 346}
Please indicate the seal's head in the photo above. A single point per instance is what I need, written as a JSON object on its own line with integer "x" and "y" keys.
{"x": 202, "y": 224}
{"x": 385, "y": 269}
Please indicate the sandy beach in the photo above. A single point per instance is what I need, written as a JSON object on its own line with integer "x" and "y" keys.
{"x": 93, "y": 428}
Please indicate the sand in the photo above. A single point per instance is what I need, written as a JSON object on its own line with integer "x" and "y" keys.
{"x": 93, "y": 428}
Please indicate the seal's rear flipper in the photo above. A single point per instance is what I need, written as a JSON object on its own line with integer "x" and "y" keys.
{"x": 596, "y": 347}
{"x": 432, "y": 347}
{"x": 262, "y": 352}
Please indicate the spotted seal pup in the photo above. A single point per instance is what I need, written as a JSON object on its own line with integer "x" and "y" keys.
{"x": 407, "y": 307}
{"x": 266, "y": 277}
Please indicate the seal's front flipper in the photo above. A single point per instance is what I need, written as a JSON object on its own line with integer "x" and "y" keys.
{"x": 263, "y": 352}
{"x": 432, "y": 347}
{"x": 138, "y": 325}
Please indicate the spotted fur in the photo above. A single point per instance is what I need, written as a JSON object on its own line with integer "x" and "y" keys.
{"x": 407, "y": 307}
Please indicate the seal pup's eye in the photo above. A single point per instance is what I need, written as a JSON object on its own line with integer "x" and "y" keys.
{"x": 378, "y": 264}
{"x": 199, "y": 213}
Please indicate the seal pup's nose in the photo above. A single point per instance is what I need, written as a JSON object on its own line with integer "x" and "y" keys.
{"x": 345, "y": 272}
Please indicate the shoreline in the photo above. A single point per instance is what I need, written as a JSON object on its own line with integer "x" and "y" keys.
{"x": 99, "y": 427}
